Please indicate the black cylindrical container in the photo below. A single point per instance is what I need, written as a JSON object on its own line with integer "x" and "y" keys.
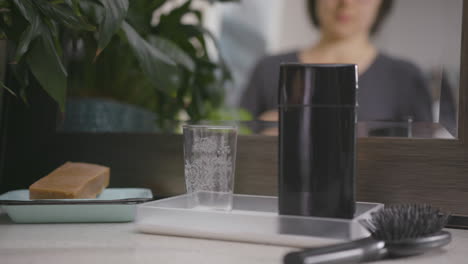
{"x": 317, "y": 109}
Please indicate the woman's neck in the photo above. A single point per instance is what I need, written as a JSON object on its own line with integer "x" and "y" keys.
{"x": 357, "y": 50}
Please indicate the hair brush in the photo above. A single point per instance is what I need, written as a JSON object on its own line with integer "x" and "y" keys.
{"x": 396, "y": 231}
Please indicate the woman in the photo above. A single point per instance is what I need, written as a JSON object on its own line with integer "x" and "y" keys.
{"x": 390, "y": 89}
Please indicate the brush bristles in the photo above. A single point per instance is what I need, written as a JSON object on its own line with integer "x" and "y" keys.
{"x": 400, "y": 222}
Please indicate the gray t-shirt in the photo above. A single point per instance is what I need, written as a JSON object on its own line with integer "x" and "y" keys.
{"x": 390, "y": 90}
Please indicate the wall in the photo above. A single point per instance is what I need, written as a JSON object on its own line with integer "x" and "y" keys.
{"x": 426, "y": 32}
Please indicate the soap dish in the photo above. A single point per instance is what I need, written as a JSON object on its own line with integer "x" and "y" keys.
{"x": 112, "y": 205}
{"x": 254, "y": 219}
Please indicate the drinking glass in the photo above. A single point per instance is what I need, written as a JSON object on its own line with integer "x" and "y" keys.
{"x": 210, "y": 160}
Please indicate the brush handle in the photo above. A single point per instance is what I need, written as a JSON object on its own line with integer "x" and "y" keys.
{"x": 366, "y": 249}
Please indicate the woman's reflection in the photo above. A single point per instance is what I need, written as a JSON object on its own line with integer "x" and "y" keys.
{"x": 390, "y": 89}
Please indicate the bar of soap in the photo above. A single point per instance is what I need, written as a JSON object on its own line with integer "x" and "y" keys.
{"x": 72, "y": 180}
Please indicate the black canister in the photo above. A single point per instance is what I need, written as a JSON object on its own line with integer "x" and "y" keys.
{"x": 317, "y": 139}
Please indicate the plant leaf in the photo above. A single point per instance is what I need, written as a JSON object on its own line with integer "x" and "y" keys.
{"x": 222, "y": 62}
{"x": 140, "y": 14}
{"x": 48, "y": 69}
{"x": 176, "y": 14}
{"x": 115, "y": 12}
{"x": 21, "y": 73}
{"x": 158, "y": 67}
{"x": 75, "y": 4}
{"x": 31, "y": 32}
{"x": 93, "y": 11}
{"x": 173, "y": 51}
{"x": 7, "y": 89}
{"x": 63, "y": 14}
{"x": 26, "y": 9}
{"x": 157, "y": 4}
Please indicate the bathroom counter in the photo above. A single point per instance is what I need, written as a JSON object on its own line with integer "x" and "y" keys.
{"x": 119, "y": 243}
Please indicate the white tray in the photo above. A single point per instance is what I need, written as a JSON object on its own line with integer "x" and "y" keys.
{"x": 254, "y": 219}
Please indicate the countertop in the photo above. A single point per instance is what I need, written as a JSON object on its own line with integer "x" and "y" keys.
{"x": 119, "y": 243}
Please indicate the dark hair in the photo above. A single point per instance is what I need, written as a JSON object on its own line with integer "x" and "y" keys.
{"x": 384, "y": 10}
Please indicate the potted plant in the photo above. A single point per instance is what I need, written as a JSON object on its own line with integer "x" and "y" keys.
{"x": 31, "y": 29}
{"x": 115, "y": 49}
{"x": 159, "y": 63}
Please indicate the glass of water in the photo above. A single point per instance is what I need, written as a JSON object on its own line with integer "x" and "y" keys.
{"x": 210, "y": 160}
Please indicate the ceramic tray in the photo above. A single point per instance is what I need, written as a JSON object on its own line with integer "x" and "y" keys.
{"x": 112, "y": 205}
{"x": 253, "y": 219}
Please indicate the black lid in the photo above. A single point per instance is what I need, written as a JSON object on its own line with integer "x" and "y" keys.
{"x": 318, "y": 84}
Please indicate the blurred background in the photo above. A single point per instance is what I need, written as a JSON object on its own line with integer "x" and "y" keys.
{"x": 178, "y": 61}
{"x": 82, "y": 91}
{"x": 425, "y": 32}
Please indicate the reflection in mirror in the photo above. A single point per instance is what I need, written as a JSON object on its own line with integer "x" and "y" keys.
{"x": 408, "y": 53}
{"x": 154, "y": 71}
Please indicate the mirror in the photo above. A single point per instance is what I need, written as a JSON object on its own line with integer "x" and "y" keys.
{"x": 423, "y": 35}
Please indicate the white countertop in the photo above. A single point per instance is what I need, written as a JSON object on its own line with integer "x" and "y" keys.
{"x": 119, "y": 243}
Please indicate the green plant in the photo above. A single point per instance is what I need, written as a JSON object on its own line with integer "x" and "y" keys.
{"x": 32, "y": 28}
{"x": 163, "y": 66}
{"x": 112, "y": 49}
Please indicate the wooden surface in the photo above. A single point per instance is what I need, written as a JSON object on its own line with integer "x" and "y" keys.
{"x": 389, "y": 171}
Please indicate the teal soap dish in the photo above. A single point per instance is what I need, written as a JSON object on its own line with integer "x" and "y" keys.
{"x": 112, "y": 205}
